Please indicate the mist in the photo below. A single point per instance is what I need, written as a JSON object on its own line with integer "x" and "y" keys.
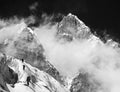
{"x": 99, "y": 59}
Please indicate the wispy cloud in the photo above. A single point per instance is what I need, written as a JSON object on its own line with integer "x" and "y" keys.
{"x": 33, "y": 6}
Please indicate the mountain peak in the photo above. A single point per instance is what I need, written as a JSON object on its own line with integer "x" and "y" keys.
{"x": 27, "y": 29}
{"x": 27, "y": 34}
{"x": 71, "y": 27}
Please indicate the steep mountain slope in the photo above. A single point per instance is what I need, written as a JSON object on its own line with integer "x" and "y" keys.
{"x": 39, "y": 80}
{"x": 27, "y": 46}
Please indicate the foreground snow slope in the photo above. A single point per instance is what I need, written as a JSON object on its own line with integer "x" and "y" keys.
{"x": 40, "y": 81}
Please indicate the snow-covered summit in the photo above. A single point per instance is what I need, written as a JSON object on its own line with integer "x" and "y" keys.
{"x": 73, "y": 28}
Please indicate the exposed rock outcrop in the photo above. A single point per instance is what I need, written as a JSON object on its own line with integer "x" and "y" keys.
{"x": 84, "y": 82}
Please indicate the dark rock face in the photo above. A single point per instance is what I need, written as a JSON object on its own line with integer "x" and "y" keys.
{"x": 71, "y": 27}
{"x": 84, "y": 83}
{"x": 80, "y": 84}
{"x": 7, "y": 75}
{"x": 10, "y": 76}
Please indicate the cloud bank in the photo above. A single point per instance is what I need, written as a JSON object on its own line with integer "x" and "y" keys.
{"x": 101, "y": 60}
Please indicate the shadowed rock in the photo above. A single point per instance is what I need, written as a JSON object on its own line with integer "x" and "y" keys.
{"x": 7, "y": 75}
{"x": 85, "y": 83}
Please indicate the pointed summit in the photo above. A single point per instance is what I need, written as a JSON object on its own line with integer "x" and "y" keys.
{"x": 71, "y": 27}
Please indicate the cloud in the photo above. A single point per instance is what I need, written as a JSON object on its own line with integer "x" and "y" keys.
{"x": 102, "y": 60}
{"x": 34, "y": 6}
{"x": 99, "y": 59}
